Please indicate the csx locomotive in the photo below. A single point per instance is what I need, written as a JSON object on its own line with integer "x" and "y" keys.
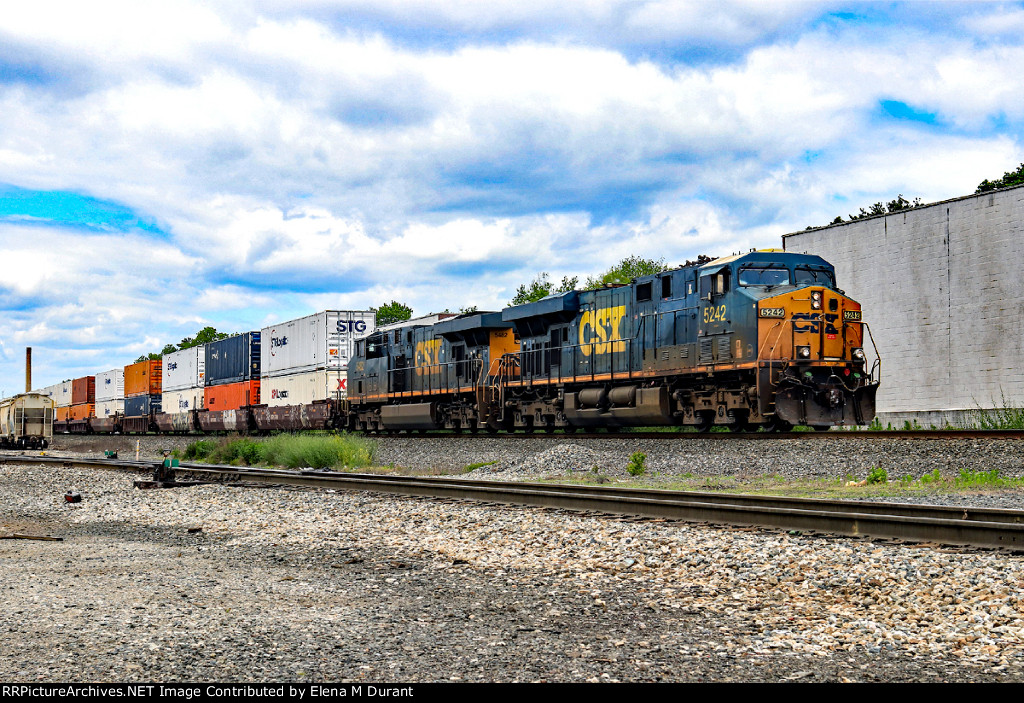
{"x": 759, "y": 340}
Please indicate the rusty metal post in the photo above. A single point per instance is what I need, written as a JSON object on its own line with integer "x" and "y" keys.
{"x": 28, "y": 369}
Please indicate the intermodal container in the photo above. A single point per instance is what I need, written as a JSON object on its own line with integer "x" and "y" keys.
{"x": 109, "y": 408}
{"x": 233, "y": 360}
{"x": 143, "y": 378}
{"x": 62, "y": 394}
{"x": 139, "y": 405}
{"x": 83, "y": 390}
{"x": 110, "y": 385}
{"x": 82, "y": 411}
{"x": 303, "y": 388}
{"x": 231, "y": 396}
{"x": 182, "y": 401}
{"x": 62, "y": 413}
{"x": 325, "y": 340}
{"x": 184, "y": 369}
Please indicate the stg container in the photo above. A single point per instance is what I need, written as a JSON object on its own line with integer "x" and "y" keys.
{"x": 231, "y": 396}
{"x": 110, "y": 385}
{"x": 143, "y": 378}
{"x": 233, "y": 360}
{"x": 184, "y": 369}
{"x": 303, "y": 388}
{"x": 140, "y": 405}
{"x": 83, "y": 390}
{"x": 325, "y": 340}
{"x": 62, "y": 413}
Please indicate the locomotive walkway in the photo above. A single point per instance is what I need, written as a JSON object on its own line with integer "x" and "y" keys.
{"x": 980, "y": 527}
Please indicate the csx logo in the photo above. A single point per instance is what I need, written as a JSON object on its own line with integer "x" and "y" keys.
{"x": 813, "y": 320}
{"x": 351, "y": 326}
{"x": 182, "y": 404}
{"x": 600, "y": 330}
{"x": 278, "y": 394}
{"x": 171, "y": 366}
{"x": 428, "y": 353}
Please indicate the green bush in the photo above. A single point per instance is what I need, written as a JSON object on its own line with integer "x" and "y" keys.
{"x": 878, "y": 475}
{"x": 637, "y": 464}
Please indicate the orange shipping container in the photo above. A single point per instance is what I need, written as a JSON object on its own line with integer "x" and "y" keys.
{"x": 83, "y": 390}
{"x": 143, "y": 378}
{"x": 83, "y": 411}
{"x": 62, "y": 414}
{"x": 231, "y": 396}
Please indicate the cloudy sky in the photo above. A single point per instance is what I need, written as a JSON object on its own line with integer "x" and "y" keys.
{"x": 164, "y": 166}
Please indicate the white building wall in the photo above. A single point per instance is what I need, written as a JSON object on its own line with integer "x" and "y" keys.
{"x": 943, "y": 294}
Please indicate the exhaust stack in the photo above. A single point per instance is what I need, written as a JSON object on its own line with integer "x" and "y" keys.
{"x": 28, "y": 369}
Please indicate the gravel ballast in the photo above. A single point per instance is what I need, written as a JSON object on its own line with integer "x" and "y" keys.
{"x": 313, "y": 585}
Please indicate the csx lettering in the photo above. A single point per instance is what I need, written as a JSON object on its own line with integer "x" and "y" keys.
{"x": 812, "y": 318}
{"x": 427, "y": 354}
{"x": 713, "y": 314}
{"x": 173, "y": 365}
{"x": 600, "y": 330}
{"x": 830, "y": 327}
{"x": 351, "y": 326}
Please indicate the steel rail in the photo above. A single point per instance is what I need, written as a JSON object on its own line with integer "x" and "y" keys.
{"x": 685, "y": 436}
{"x": 982, "y": 527}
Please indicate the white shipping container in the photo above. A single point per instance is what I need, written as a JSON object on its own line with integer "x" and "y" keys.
{"x": 303, "y": 388}
{"x": 107, "y": 408}
{"x": 109, "y": 386}
{"x": 182, "y": 401}
{"x": 184, "y": 369}
{"x": 62, "y": 394}
{"x": 325, "y": 340}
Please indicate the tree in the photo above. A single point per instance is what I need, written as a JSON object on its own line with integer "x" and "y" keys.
{"x": 392, "y": 312}
{"x": 1010, "y": 178}
{"x": 626, "y": 270}
{"x": 541, "y": 287}
{"x": 204, "y": 336}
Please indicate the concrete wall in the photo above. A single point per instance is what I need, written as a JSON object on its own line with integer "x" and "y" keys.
{"x": 943, "y": 292}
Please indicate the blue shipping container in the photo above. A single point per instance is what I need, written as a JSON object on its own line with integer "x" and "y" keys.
{"x": 141, "y": 405}
{"x": 233, "y": 360}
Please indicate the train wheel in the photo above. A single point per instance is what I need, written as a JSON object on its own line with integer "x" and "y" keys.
{"x": 705, "y": 421}
{"x": 777, "y": 424}
{"x": 570, "y": 429}
{"x": 821, "y": 428}
{"x": 473, "y": 427}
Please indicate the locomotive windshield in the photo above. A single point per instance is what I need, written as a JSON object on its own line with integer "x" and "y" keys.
{"x": 807, "y": 276}
{"x": 763, "y": 276}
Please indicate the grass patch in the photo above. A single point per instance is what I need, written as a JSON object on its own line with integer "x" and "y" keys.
{"x": 479, "y": 465}
{"x": 329, "y": 451}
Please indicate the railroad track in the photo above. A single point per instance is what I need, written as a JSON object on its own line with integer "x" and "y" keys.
{"x": 980, "y": 527}
{"x": 684, "y": 436}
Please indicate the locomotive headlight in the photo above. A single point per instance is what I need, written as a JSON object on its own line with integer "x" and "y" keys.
{"x": 803, "y": 352}
{"x": 858, "y": 354}
{"x": 816, "y": 300}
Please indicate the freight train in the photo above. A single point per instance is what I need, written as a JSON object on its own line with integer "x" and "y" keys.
{"x": 763, "y": 340}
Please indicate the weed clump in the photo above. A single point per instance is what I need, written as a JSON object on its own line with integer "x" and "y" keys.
{"x": 637, "y": 464}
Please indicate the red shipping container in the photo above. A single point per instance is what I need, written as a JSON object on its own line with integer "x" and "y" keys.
{"x": 83, "y": 411}
{"x": 143, "y": 378}
{"x": 231, "y": 396}
{"x": 83, "y": 390}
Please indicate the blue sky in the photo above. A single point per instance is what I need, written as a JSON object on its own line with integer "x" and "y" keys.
{"x": 240, "y": 164}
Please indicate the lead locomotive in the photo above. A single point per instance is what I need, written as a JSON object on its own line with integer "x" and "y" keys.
{"x": 763, "y": 339}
